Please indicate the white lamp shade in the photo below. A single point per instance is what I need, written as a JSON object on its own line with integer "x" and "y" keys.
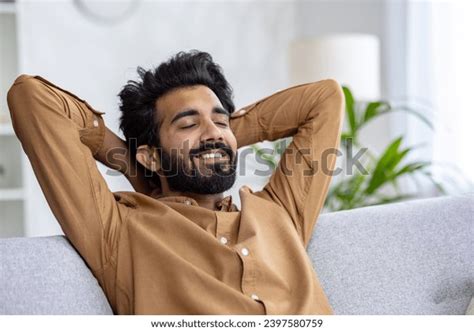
{"x": 351, "y": 59}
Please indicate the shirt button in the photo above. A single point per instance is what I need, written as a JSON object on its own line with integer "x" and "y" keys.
{"x": 95, "y": 123}
{"x": 245, "y": 251}
{"x": 187, "y": 202}
{"x": 254, "y": 296}
{"x": 223, "y": 240}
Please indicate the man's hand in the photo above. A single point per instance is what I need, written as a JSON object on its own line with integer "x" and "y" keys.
{"x": 115, "y": 154}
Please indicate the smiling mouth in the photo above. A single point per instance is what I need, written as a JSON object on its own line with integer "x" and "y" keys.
{"x": 212, "y": 156}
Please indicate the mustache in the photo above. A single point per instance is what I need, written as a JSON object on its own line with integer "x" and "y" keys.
{"x": 210, "y": 146}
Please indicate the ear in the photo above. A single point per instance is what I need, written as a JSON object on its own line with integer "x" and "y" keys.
{"x": 148, "y": 157}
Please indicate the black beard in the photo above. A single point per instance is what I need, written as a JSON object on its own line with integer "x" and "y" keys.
{"x": 181, "y": 178}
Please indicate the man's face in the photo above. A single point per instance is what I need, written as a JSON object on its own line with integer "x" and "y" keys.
{"x": 198, "y": 147}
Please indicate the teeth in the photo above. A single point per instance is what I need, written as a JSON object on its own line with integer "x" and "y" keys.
{"x": 210, "y": 155}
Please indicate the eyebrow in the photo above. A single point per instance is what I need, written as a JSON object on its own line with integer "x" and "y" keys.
{"x": 194, "y": 112}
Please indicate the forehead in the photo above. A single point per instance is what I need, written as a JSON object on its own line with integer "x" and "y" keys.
{"x": 198, "y": 97}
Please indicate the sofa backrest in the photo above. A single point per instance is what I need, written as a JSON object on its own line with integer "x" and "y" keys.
{"x": 414, "y": 257}
{"x": 45, "y": 275}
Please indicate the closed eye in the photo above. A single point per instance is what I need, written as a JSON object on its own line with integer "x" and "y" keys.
{"x": 222, "y": 124}
{"x": 188, "y": 126}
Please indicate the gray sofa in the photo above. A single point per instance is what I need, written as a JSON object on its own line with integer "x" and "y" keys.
{"x": 413, "y": 257}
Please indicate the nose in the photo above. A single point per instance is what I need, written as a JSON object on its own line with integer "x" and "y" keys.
{"x": 211, "y": 132}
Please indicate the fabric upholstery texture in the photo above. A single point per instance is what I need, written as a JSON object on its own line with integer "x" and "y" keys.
{"x": 413, "y": 257}
{"x": 470, "y": 308}
{"x": 407, "y": 258}
{"x": 45, "y": 275}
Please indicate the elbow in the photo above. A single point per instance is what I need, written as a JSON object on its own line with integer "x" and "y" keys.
{"x": 26, "y": 94}
{"x": 19, "y": 104}
{"x": 21, "y": 89}
{"x": 329, "y": 98}
{"x": 335, "y": 94}
{"x": 334, "y": 87}
{"x": 337, "y": 101}
{"x": 26, "y": 99}
{"x": 21, "y": 80}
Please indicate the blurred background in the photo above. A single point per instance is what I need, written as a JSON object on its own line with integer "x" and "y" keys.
{"x": 406, "y": 68}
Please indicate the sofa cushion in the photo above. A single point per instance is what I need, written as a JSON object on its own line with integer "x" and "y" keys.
{"x": 470, "y": 308}
{"x": 414, "y": 257}
{"x": 45, "y": 275}
{"x": 407, "y": 258}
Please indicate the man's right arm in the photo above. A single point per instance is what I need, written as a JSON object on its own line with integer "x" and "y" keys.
{"x": 60, "y": 133}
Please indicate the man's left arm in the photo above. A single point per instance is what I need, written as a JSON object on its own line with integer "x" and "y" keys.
{"x": 312, "y": 114}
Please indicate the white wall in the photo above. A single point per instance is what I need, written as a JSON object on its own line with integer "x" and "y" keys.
{"x": 248, "y": 39}
{"x": 322, "y": 17}
{"x": 316, "y": 18}
{"x": 8, "y": 60}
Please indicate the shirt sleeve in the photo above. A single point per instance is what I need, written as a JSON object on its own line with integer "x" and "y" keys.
{"x": 60, "y": 133}
{"x": 312, "y": 114}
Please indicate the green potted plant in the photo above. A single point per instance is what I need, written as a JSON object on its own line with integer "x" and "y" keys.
{"x": 380, "y": 183}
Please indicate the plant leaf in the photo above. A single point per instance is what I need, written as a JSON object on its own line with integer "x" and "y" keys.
{"x": 438, "y": 185}
{"x": 268, "y": 158}
{"x": 373, "y": 109}
{"x": 350, "y": 110}
{"x": 411, "y": 167}
{"x": 395, "y": 198}
{"x": 379, "y": 177}
{"x": 415, "y": 113}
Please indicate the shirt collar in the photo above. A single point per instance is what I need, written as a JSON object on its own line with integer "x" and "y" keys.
{"x": 226, "y": 204}
{"x": 222, "y": 205}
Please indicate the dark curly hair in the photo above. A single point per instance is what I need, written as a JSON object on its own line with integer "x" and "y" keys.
{"x": 184, "y": 69}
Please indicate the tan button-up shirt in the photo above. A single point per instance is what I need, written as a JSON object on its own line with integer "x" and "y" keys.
{"x": 167, "y": 255}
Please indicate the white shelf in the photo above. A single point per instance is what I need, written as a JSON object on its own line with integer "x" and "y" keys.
{"x": 7, "y": 8}
{"x": 10, "y": 194}
{"x": 13, "y": 197}
{"x": 6, "y": 129}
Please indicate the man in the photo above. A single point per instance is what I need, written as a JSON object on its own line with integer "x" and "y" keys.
{"x": 177, "y": 245}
